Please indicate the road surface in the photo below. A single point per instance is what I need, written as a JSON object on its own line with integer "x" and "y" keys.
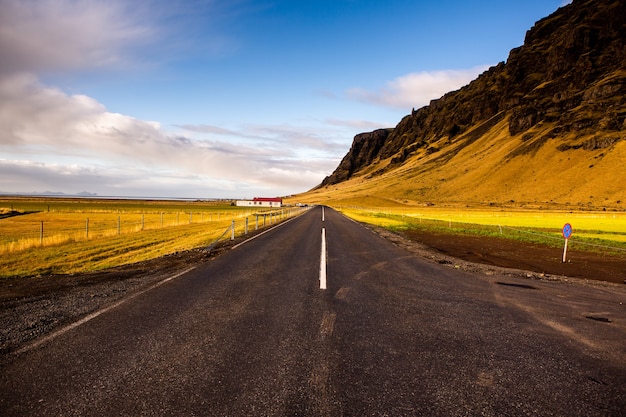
{"x": 251, "y": 333}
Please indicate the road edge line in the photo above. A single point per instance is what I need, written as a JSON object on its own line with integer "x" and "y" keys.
{"x": 264, "y": 232}
{"x": 91, "y": 316}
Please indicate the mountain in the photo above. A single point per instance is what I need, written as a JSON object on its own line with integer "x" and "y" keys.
{"x": 50, "y": 194}
{"x": 546, "y": 127}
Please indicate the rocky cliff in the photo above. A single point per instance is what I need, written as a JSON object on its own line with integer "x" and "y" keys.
{"x": 365, "y": 149}
{"x": 563, "y": 89}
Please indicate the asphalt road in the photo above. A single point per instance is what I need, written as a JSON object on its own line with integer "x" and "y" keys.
{"x": 251, "y": 333}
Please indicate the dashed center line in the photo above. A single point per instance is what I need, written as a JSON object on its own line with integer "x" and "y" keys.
{"x": 323, "y": 261}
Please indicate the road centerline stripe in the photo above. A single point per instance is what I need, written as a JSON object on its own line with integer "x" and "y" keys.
{"x": 323, "y": 261}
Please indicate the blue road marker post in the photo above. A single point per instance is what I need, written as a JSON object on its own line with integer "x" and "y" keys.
{"x": 567, "y": 233}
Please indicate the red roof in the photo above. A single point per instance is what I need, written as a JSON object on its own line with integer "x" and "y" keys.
{"x": 268, "y": 199}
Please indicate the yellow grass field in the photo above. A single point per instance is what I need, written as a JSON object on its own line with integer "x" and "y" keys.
{"x": 43, "y": 236}
{"x": 592, "y": 230}
{"x": 376, "y": 201}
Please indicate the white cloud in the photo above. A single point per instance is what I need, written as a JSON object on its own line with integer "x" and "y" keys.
{"x": 416, "y": 89}
{"x": 205, "y": 128}
{"x": 51, "y": 140}
{"x": 44, "y": 35}
{"x": 33, "y": 115}
{"x": 282, "y": 140}
{"x": 43, "y": 125}
{"x": 40, "y": 36}
{"x": 362, "y": 125}
{"x": 37, "y": 177}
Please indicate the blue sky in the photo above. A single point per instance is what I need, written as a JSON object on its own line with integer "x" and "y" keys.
{"x": 225, "y": 98}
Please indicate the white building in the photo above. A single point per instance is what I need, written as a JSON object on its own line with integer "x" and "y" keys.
{"x": 260, "y": 202}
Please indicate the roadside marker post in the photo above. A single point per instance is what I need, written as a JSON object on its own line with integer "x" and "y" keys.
{"x": 567, "y": 233}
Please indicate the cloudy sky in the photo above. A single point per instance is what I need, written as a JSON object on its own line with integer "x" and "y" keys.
{"x": 225, "y": 98}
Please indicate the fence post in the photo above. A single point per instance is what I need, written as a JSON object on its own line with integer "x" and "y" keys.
{"x": 246, "y": 231}
{"x": 87, "y": 228}
{"x": 41, "y": 234}
{"x": 256, "y": 227}
{"x": 232, "y": 231}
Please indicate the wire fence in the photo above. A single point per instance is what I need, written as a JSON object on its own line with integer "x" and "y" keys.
{"x": 590, "y": 239}
{"x": 572, "y": 239}
{"x": 257, "y": 221}
{"x": 42, "y": 229}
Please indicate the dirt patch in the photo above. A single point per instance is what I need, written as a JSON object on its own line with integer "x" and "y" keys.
{"x": 537, "y": 258}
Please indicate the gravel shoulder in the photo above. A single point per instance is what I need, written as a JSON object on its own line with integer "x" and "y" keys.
{"x": 35, "y": 306}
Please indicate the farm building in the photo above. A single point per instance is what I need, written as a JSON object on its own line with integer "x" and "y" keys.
{"x": 260, "y": 202}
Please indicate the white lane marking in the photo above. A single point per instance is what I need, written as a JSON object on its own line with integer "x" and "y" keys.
{"x": 351, "y": 219}
{"x": 322, "y": 213}
{"x": 323, "y": 261}
{"x": 97, "y": 313}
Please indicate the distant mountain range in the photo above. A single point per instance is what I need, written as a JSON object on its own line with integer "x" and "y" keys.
{"x": 546, "y": 127}
{"x": 52, "y": 194}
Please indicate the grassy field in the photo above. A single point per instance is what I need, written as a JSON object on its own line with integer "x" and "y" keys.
{"x": 598, "y": 231}
{"x": 37, "y": 223}
{"x": 43, "y": 236}
{"x": 81, "y": 235}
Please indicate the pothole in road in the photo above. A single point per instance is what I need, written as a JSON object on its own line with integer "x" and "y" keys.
{"x": 511, "y": 284}
{"x": 598, "y": 318}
